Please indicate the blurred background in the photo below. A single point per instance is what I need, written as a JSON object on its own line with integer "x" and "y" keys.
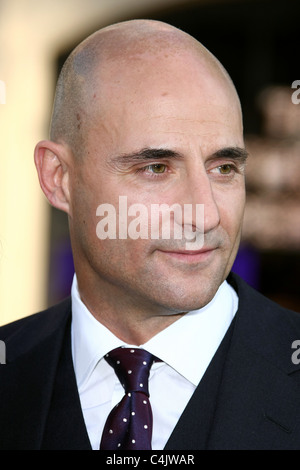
{"x": 256, "y": 40}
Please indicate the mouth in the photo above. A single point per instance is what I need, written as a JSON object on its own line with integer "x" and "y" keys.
{"x": 190, "y": 256}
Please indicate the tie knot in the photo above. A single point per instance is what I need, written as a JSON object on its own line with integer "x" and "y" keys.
{"x": 132, "y": 367}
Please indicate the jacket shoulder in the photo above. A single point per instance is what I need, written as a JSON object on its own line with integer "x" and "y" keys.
{"x": 264, "y": 326}
{"x": 253, "y": 298}
{"x": 22, "y": 335}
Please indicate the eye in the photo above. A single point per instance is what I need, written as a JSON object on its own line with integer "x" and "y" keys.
{"x": 156, "y": 168}
{"x": 225, "y": 172}
{"x": 225, "y": 169}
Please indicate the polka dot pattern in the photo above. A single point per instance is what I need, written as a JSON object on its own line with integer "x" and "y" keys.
{"x": 129, "y": 425}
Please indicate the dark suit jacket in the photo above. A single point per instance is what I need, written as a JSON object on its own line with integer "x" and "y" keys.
{"x": 249, "y": 397}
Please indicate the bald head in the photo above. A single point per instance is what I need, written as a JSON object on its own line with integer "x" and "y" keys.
{"x": 123, "y": 53}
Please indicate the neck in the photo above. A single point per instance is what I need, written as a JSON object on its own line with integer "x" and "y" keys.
{"x": 130, "y": 320}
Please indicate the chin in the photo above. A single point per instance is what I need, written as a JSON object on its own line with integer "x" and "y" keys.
{"x": 187, "y": 300}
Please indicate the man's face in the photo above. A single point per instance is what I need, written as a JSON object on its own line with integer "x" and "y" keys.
{"x": 186, "y": 120}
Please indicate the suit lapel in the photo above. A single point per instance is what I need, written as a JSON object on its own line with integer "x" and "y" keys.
{"x": 193, "y": 428}
{"x": 256, "y": 405}
{"x": 65, "y": 428}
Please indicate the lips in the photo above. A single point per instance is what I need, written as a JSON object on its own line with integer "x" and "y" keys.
{"x": 192, "y": 256}
{"x": 189, "y": 252}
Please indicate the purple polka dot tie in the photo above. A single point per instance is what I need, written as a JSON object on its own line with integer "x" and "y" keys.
{"x": 129, "y": 424}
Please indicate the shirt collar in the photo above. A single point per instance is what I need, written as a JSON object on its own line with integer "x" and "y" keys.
{"x": 189, "y": 344}
{"x": 191, "y": 340}
{"x": 90, "y": 339}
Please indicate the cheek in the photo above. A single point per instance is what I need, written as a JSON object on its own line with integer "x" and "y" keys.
{"x": 116, "y": 260}
{"x": 83, "y": 219}
{"x": 231, "y": 209}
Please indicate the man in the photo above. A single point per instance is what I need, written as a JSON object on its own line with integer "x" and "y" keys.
{"x": 146, "y": 113}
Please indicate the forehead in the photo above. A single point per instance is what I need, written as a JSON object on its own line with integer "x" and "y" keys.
{"x": 182, "y": 98}
{"x": 162, "y": 72}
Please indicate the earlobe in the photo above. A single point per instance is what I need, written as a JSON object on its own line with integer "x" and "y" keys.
{"x": 51, "y": 164}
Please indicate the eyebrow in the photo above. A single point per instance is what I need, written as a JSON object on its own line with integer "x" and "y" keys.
{"x": 123, "y": 160}
{"x": 144, "y": 155}
{"x": 235, "y": 153}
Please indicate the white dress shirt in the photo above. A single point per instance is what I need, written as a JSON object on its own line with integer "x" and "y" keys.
{"x": 186, "y": 349}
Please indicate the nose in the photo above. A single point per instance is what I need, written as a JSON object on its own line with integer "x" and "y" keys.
{"x": 201, "y": 210}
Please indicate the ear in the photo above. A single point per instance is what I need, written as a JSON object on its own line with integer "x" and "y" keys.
{"x": 51, "y": 161}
